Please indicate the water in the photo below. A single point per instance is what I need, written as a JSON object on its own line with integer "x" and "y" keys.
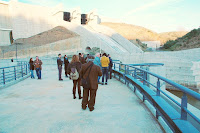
{"x": 191, "y": 100}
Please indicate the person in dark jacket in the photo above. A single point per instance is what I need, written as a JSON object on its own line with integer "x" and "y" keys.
{"x": 59, "y": 63}
{"x": 38, "y": 67}
{"x": 66, "y": 62}
{"x": 93, "y": 78}
{"x": 75, "y": 63}
{"x": 82, "y": 59}
{"x": 110, "y": 66}
{"x": 31, "y": 67}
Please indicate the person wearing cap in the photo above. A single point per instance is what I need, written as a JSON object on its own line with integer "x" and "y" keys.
{"x": 105, "y": 63}
{"x": 59, "y": 63}
{"x": 92, "y": 71}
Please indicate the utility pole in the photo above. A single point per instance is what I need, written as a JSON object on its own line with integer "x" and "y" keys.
{"x": 16, "y": 51}
{"x": 3, "y": 54}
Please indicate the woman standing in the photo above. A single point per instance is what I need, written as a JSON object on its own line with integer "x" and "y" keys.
{"x": 73, "y": 67}
{"x": 66, "y": 62}
{"x": 31, "y": 67}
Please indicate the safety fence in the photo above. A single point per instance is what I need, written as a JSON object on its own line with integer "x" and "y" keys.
{"x": 176, "y": 118}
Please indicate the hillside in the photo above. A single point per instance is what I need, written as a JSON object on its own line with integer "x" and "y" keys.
{"x": 188, "y": 41}
{"x": 132, "y": 32}
{"x": 50, "y": 36}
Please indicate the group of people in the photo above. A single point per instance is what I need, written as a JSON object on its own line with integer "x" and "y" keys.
{"x": 86, "y": 71}
{"x": 37, "y": 66}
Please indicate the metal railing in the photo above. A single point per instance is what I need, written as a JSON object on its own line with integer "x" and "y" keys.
{"x": 140, "y": 74}
{"x": 12, "y": 73}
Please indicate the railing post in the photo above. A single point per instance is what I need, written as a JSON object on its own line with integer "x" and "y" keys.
{"x": 158, "y": 88}
{"x": 144, "y": 77}
{"x": 114, "y": 65}
{"x": 15, "y": 73}
{"x": 119, "y": 66}
{"x": 135, "y": 73}
{"x": 183, "y": 105}
{"x": 22, "y": 70}
{"x": 127, "y": 70}
{"x": 4, "y": 80}
{"x": 26, "y": 70}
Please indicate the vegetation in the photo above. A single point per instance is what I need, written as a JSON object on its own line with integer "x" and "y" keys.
{"x": 189, "y": 41}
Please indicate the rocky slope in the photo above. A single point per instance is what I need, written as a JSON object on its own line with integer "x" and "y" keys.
{"x": 132, "y": 32}
{"x": 50, "y": 36}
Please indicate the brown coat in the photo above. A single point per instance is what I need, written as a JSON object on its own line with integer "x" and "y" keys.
{"x": 95, "y": 72}
{"x": 40, "y": 64}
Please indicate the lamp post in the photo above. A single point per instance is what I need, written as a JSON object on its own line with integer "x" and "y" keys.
{"x": 16, "y": 51}
{"x": 3, "y": 54}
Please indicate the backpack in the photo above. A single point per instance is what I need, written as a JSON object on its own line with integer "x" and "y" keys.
{"x": 74, "y": 75}
{"x": 86, "y": 82}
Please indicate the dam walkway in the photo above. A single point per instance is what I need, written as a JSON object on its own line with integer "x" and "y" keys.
{"x": 47, "y": 106}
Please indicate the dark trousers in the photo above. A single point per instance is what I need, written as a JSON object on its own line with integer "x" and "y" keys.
{"x": 60, "y": 72}
{"x": 77, "y": 82}
{"x": 105, "y": 74}
{"x": 110, "y": 71}
{"x": 38, "y": 72}
{"x": 86, "y": 94}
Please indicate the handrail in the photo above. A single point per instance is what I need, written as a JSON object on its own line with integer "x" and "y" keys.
{"x": 148, "y": 64}
{"x": 134, "y": 73}
{"x": 11, "y": 73}
{"x": 178, "y": 86}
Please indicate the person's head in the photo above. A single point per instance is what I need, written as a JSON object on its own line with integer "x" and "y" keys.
{"x": 79, "y": 54}
{"x": 90, "y": 58}
{"x": 88, "y": 55}
{"x": 31, "y": 59}
{"x": 75, "y": 58}
{"x": 97, "y": 55}
{"x": 109, "y": 55}
{"x": 100, "y": 55}
{"x": 65, "y": 56}
{"x": 59, "y": 55}
{"x": 37, "y": 58}
{"x": 104, "y": 54}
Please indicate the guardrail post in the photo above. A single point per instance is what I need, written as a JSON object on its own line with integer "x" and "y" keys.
{"x": 144, "y": 77}
{"x": 135, "y": 73}
{"x": 183, "y": 105}
{"x": 26, "y": 70}
{"x": 158, "y": 88}
{"x": 119, "y": 66}
{"x": 4, "y": 80}
{"x": 15, "y": 73}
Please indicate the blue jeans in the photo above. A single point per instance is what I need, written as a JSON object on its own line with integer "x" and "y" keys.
{"x": 38, "y": 72}
{"x": 32, "y": 74}
{"x": 105, "y": 73}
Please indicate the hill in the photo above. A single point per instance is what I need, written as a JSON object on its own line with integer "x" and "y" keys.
{"x": 188, "y": 41}
{"x": 132, "y": 32}
{"x": 50, "y": 36}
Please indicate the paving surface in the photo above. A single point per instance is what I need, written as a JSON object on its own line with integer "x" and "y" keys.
{"x": 46, "y": 106}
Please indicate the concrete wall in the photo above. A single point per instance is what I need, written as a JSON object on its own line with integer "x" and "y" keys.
{"x": 71, "y": 45}
{"x": 5, "y": 24}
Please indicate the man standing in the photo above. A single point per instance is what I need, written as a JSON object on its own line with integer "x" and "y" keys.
{"x": 38, "y": 67}
{"x": 92, "y": 72}
{"x": 105, "y": 63}
{"x": 59, "y": 63}
{"x": 66, "y": 62}
{"x": 110, "y": 66}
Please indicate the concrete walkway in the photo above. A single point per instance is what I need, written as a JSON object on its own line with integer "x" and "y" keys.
{"x": 46, "y": 106}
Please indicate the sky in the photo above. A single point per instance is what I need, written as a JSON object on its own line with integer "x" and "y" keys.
{"x": 156, "y": 15}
